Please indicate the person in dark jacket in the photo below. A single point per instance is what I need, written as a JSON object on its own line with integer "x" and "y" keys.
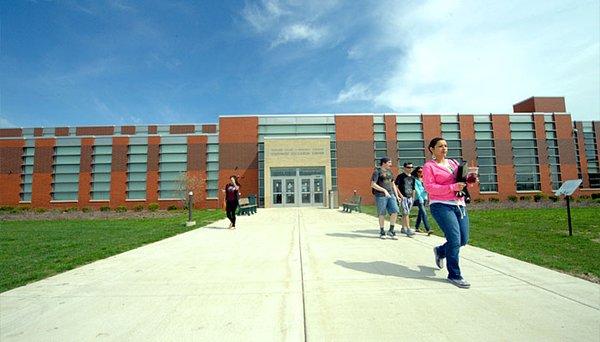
{"x": 232, "y": 196}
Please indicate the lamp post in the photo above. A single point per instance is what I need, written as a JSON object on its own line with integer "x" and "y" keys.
{"x": 189, "y": 222}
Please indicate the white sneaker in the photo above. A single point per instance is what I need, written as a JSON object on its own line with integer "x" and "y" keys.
{"x": 410, "y": 232}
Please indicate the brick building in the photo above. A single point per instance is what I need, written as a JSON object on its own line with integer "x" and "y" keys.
{"x": 291, "y": 160}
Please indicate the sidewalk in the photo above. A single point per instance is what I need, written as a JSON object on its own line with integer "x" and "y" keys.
{"x": 300, "y": 274}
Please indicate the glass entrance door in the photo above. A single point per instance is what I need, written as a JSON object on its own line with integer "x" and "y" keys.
{"x": 297, "y": 187}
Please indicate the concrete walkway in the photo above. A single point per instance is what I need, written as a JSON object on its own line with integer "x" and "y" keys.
{"x": 300, "y": 274}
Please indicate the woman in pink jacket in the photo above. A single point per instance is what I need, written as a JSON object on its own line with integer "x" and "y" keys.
{"x": 448, "y": 210}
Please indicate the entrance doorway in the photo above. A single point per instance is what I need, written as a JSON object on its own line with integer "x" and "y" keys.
{"x": 295, "y": 187}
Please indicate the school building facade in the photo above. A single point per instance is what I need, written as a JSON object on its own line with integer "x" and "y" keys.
{"x": 291, "y": 160}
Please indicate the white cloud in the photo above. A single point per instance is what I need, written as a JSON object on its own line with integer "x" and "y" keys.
{"x": 298, "y": 32}
{"x": 5, "y": 123}
{"x": 355, "y": 92}
{"x": 262, "y": 16}
{"x": 478, "y": 57}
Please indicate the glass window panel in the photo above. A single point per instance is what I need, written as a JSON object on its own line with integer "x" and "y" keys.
{"x": 102, "y": 159}
{"x": 522, "y": 126}
{"x": 411, "y": 144}
{"x": 65, "y": 187}
{"x": 523, "y": 143}
{"x": 136, "y": 176}
{"x": 525, "y": 160}
{"x": 101, "y": 177}
{"x": 138, "y": 158}
{"x": 27, "y": 169}
{"x": 379, "y": 136}
{"x": 137, "y": 167}
{"x": 550, "y": 135}
{"x": 173, "y": 158}
{"x": 212, "y": 175}
{"x": 66, "y": 178}
{"x": 212, "y": 157}
{"x": 66, "y": 168}
{"x": 486, "y": 161}
{"x": 482, "y": 118}
{"x": 409, "y": 136}
{"x": 99, "y": 168}
{"x": 380, "y": 145}
{"x": 450, "y": 127}
{"x": 484, "y": 135}
{"x": 171, "y": 194}
{"x": 485, "y": 152}
{"x": 169, "y": 185}
{"x": 212, "y": 184}
{"x": 68, "y": 150}
{"x": 553, "y": 160}
{"x": 211, "y": 193}
{"x": 26, "y": 187}
{"x": 136, "y": 194}
{"x": 29, "y": 151}
{"x": 483, "y": 127}
{"x": 552, "y": 143}
{"x": 554, "y": 169}
{"x": 487, "y": 178}
{"x": 100, "y": 195}
{"x": 212, "y": 148}
{"x": 525, "y": 152}
{"x": 488, "y": 187}
{"x": 408, "y": 118}
{"x": 528, "y": 178}
{"x": 525, "y": 168}
{"x": 212, "y": 166}
{"x": 100, "y": 186}
{"x": 27, "y": 178}
{"x": 311, "y": 129}
{"x": 102, "y": 149}
{"x": 26, "y": 197}
{"x": 173, "y": 148}
{"x": 409, "y": 127}
{"x": 171, "y": 176}
{"x": 487, "y": 169}
{"x": 138, "y": 149}
{"x": 172, "y": 167}
{"x": 64, "y": 196}
{"x": 451, "y": 136}
{"x": 380, "y": 154}
{"x": 522, "y": 135}
{"x": 454, "y": 144}
{"x": 484, "y": 144}
{"x": 174, "y": 140}
{"x": 411, "y": 154}
{"x": 136, "y": 185}
{"x": 28, "y": 161}
{"x": 66, "y": 160}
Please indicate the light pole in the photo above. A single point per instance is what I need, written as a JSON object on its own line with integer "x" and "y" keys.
{"x": 189, "y": 222}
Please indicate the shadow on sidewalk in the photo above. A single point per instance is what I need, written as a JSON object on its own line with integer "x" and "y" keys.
{"x": 389, "y": 269}
{"x": 364, "y": 233}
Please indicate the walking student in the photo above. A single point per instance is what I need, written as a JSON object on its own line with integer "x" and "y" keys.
{"x": 406, "y": 185}
{"x": 448, "y": 210}
{"x": 386, "y": 194}
{"x": 232, "y": 196}
{"x": 420, "y": 200}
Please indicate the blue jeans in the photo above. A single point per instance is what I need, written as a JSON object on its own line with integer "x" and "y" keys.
{"x": 454, "y": 222}
{"x": 422, "y": 215}
{"x": 386, "y": 203}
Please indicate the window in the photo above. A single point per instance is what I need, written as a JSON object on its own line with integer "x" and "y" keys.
{"x": 65, "y": 177}
{"x": 486, "y": 154}
{"x": 525, "y": 156}
{"x": 552, "y": 149}
{"x": 101, "y": 166}
{"x": 591, "y": 153}
{"x": 137, "y": 168}
{"x": 379, "y": 140}
{"x": 27, "y": 159}
{"x": 172, "y": 166}
{"x": 409, "y": 135}
{"x": 212, "y": 166}
{"x": 451, "y": 133}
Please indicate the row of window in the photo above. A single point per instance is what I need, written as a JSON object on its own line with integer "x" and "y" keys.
{"x": 139, "y": 130}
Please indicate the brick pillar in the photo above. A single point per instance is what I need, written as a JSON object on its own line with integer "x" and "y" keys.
{"x": 391, "y": 138}
{"x": 85, "y": 171}
{"x": 469, "y": 154}
{"x": 582, "y": 159}
{"x": 504, "y": 161}
{"x": 42, "y": 173}
{"x": 542, "y": 147}
{"x": 196, "y": 167}
{"x": 10, "y": 171}
{"x": 118, "y": 171}
{"x": 566, "y": 146}
{"x": 432, "y": 128}
{"x": 152, "y": 177}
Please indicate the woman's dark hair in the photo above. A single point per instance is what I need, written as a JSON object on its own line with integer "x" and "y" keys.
{"x": 236, "y": 179}
{"x": 415, "y": 172}
{"x": 434, "y": 142}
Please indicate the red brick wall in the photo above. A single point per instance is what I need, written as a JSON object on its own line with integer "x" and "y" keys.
{"x": 61, "y": 131}
{"x": 100, "y": 130}
{"x": 391, "y": 140}
{"x": 209, "y": 128}
{"x": 504, "y": 161}
{"x": 10, "y": 171}
{"x": 118, "y": 172}
{"x": 196, "y": 167}
{"x": 42, "y": 173}
{"x": 432, "y": 128}
{"x": 355, "y": 155}
{"x": 152, "y": 177}
{"x": 85, "y": 172}
{"x": 181, "y": 129}
{"x": 128, "y": 130}
{"x": 10, "y": 132}
{"x": 582, "y": 160}
{"x": 525, "y": 106}
{"x": 540, "y": 134}
{"x": 541, "y": 104}
{"x": 238, "y": 147}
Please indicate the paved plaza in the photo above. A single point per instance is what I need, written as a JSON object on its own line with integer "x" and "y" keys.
{"x": 300, "y": 274}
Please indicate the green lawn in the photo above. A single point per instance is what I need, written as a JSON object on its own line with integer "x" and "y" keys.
{"x": 538, "y": 236}
{"x": 33, "y": 250}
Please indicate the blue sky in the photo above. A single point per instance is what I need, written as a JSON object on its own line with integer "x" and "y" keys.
{"x": 133, "y": 62}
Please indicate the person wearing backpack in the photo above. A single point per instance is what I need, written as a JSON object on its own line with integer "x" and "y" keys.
{"x": 386, "y": 196}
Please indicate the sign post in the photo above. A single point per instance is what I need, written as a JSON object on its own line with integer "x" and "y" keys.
{"x": 567, "y": 189}
{"x": 189, "y": 222}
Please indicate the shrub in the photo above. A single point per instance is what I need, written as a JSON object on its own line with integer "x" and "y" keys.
{"x": 479, "y": 200}
{"x": 493, "y": 200}
{"x": 86, "y": 209}
{"x": 596, "y": 200}
{"x": 138, "y": 208}
{"x": 172, "y": 207}
{"x": 6, "y": 208}
{"x": 105, "y": 208}
{"x": 525, "y": 198}
{"x": 538, "y": 197}
{"x": 596, "y": 196}
{"x": 512, "y": 198}
{"x": 121, "y": 209}
{"x": 40, "y": 210}
{"x": 553, "y": 198}
{"x": 70, "y": 209}
{"x": 153, "y": 206}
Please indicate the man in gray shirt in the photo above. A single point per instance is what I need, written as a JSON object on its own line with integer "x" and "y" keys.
{"x": 386, "y": 194}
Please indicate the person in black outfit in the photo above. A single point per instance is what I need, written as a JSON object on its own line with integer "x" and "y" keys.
{"x": 232, "y": 196}
{"x": 406, "y": 184}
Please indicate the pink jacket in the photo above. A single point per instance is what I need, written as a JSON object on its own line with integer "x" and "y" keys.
{"x": 440, "y": 183}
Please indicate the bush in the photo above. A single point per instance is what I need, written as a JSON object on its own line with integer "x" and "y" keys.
{"x": 153, "y": 206}
{"x": 553, "y": 198}
{"x": 479, "y": 200}
{"x": 525, "y": 198}
{"x": 493, "y": 200}
{"x": 513, "y": 198}
{"x": 596, "y": 200}
{"x": 7, "y": 208}
{"x": 105, "y": 208}
{"x": 86, "y": 209}
{"x": 40, "y": 210}
{"x": 70, "y": 209}
{"x": 121, "y": 209}
{"x": 596, "y": 196}
{"x": 538, "y": 197}
{"x": 172, "y": 207}
{"x": 138, "y": 208}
